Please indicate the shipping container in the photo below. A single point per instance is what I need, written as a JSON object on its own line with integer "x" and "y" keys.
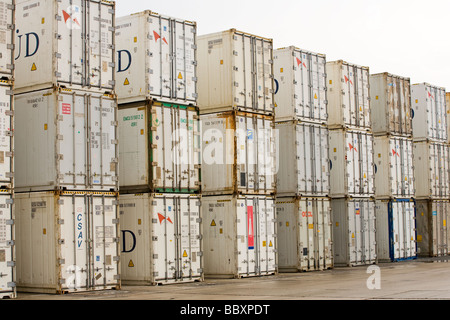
{"x": 235, "y": 72}
{"x": 304, "y": 234}
{"x": 161, "y": 238}
{"x": 394, "y": 167}
{"x": 351, "y": 163}
{"x": 156, "y": 58}
{"x": 348, "y": 95}
{"x": 431, "y": 169}
{"x": 66, "y": 140}
{"x": 67, "y": 242}
{"x": 6, "y": 134}
{"x": 390, "y": 104}
{"x": 239, "y": 154}
{"x": 433, "y": 234}
{"x": 447, "y": 104}
{"x": 300, "y": 85}
{"x": 66, "y": 43}
{"x": 396, "y": 230}
{"x": 239, "y": 236}
{"x": 159, "y": 148}
{"x": 429, "y": 112}
{"x": 304, "y": 167}
{"x": 7, "y": 246}
{"x": 354, "y": 231}
{"x": 7, "y": 20}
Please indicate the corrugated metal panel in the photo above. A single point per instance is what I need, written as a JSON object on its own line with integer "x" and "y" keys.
{"x": 304, "y": 234}
{"x": 239, "y": 236}
{"x": 7, "y": 20}
{"x": 66, "y": 42}
{"x": 68, "y": 242}
{"x": 235, "y": 72}
{"x": 300, "y": 85}
{"x": 156, "y": 58}
{"x": 7, "y": 246}
{"x": 161, "y": 238}
{"x": 6, "y": 134}
{"x": 160, "y": 148}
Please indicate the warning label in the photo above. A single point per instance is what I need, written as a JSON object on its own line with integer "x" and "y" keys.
{"x": 66, "y": 108}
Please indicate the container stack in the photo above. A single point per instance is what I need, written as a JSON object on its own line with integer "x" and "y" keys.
{"x": 394, "y": 164}
{"x": 7, "y": 227}
{"x": 66, "y": 185}
{"x": 431, "y": 168}
{"x": 160, "y": 156}
{"x": 303, "y": 179}
{"x": 352, "y": 173}
{"x": 239, "y": 160}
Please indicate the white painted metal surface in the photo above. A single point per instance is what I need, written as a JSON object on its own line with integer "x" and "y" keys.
{"x": 67, "y": 42}
{"x": 239, "y": 236}
{"x": 235, "y": 72}
{"x": 304, "y": 234}
{"x": 447, "y": 100}
{"x": 304, "y": 167}
{"x": 433, "y": 234}
{"x": 6, "y": 134}
{"x": 394, "y": 167}
{"x": 156, "y": 58}
{"x": 396, "y": 230}
{"x": 354, "y": 231}
{"x": 7, "y": 20}
{"x": 431, "y": 169}
{"x": 7, "y": 246}
{"x": 390, "y": 104}
{"x": 159, "y": 148}
{"x": 348, "y": 95}
{"x": 429, "y": 112}
{"x": 67, "y": 242}
{"x": 239, "y": 154}
{"x": 351, "y": 163}
{"x": 75, "y": 132}
{"x": 161, "y": 238}
{"x": 300, "y": 85}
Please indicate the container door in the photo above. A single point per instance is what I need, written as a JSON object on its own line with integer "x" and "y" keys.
{"x": 367, "y": 164}
{"x": 395, "y": 167}
{"x": 289, "y": 234}
{"x": 266, "y": 235}
{"x": 247, "y": 226}
{"x": 263, "y": 74}
{"x": 302, "y": 93}
{"x": 244, "y": 65}
{"x": 354, "y": 214}
{"x": 410, "y": 238}
{"x": 303, "y": 246}
{"x": 246, "y": 153}
{"x": 6, "y": 41}
{"x": 409, "y": 167}
{"x": 318, "y": 87}
{"x": 6, "y": 248}
{"x": 365, "y": 235}
{"x": 266, "y": 155}
{"x": 348, "y": 102}
{"x": 352, "y": 162}
{"x": 303, "y": 158}
{"x": 445, "y": 234}
{"x": 320, "y": 160}
{"x": 308, "y": 250}
{"x": 6, "y": 129}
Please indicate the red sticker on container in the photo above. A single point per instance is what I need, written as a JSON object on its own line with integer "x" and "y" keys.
{"x": 66, "y": 108}
{"x": 251, "y": 234}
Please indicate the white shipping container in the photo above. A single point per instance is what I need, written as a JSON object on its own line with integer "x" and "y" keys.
{"x": 433, "y": 234}
{"x": 390, "y": 104}
{"x": 67, "y": 42}
{"x": 239, "y": 154}
{"x": 66, "y": 242}
{"x": 156, "y": 58}
{"x": 235, "y": 72}
{"x": 239, "y": 236}
{"x": 447, "y": 100}
{"x": 300, "y": 85}
{"x": 161, "y": 238}
{"x": 348, "y": 95}
{"x": 304, "y": 234}
{"x": 429, "y": 112}
{"x": 7, "y": 246}
{"x": 159, "y": 148}
{"x": 394, "y": 167}
{"x": 354, "y": 231}
{"x": 396, "y": 230}
{"x": 351, "y": 163}
{"x": 65, "y": 140}
{"x": 6, "y": 134}
{"x": 431, "y": 169}
{"x": 304, "y": 167}
{"x": 7, "y": 20}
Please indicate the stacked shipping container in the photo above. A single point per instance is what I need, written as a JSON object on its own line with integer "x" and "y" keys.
{"x": 394, "y": 163}
{"x": 7, "y": 225}
{"x": 303, "y": 179}
{"x": 431, "y": 168}
{"x": 160, "y": 156}
{"x": 66, "y": 132}
{"x": 352, "y": 172}
{"x": 239, "y": 160}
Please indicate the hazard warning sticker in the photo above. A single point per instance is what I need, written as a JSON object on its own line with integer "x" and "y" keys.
{"x": 66, "y": 108}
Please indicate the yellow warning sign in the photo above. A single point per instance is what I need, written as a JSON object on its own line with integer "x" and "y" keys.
{"x": 180, "y": 76}
{"x": 353, "y": 236}
{"x": 365, "y": 176}
{"x": 185, "y": 254}
{"x": 315, "y": 96}
{"x": 131, "y": 264}
{"x": 310, "y": 226}
{"x": 270, "y": 243}
{"x": 126, "y": 82}
{"x": 445, "y": 223}
{"x": 213, "y": 223}
{"x": 264, "y": 243}
{"x": 33, "y": 67}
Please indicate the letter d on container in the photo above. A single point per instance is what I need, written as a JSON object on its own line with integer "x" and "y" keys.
{"x": 28, "y": 44}
{"x": 134, "y": 241}
{"x": 120, "y": 60}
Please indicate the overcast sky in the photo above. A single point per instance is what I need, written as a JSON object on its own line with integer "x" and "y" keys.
{"x": 409, "y": 38}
